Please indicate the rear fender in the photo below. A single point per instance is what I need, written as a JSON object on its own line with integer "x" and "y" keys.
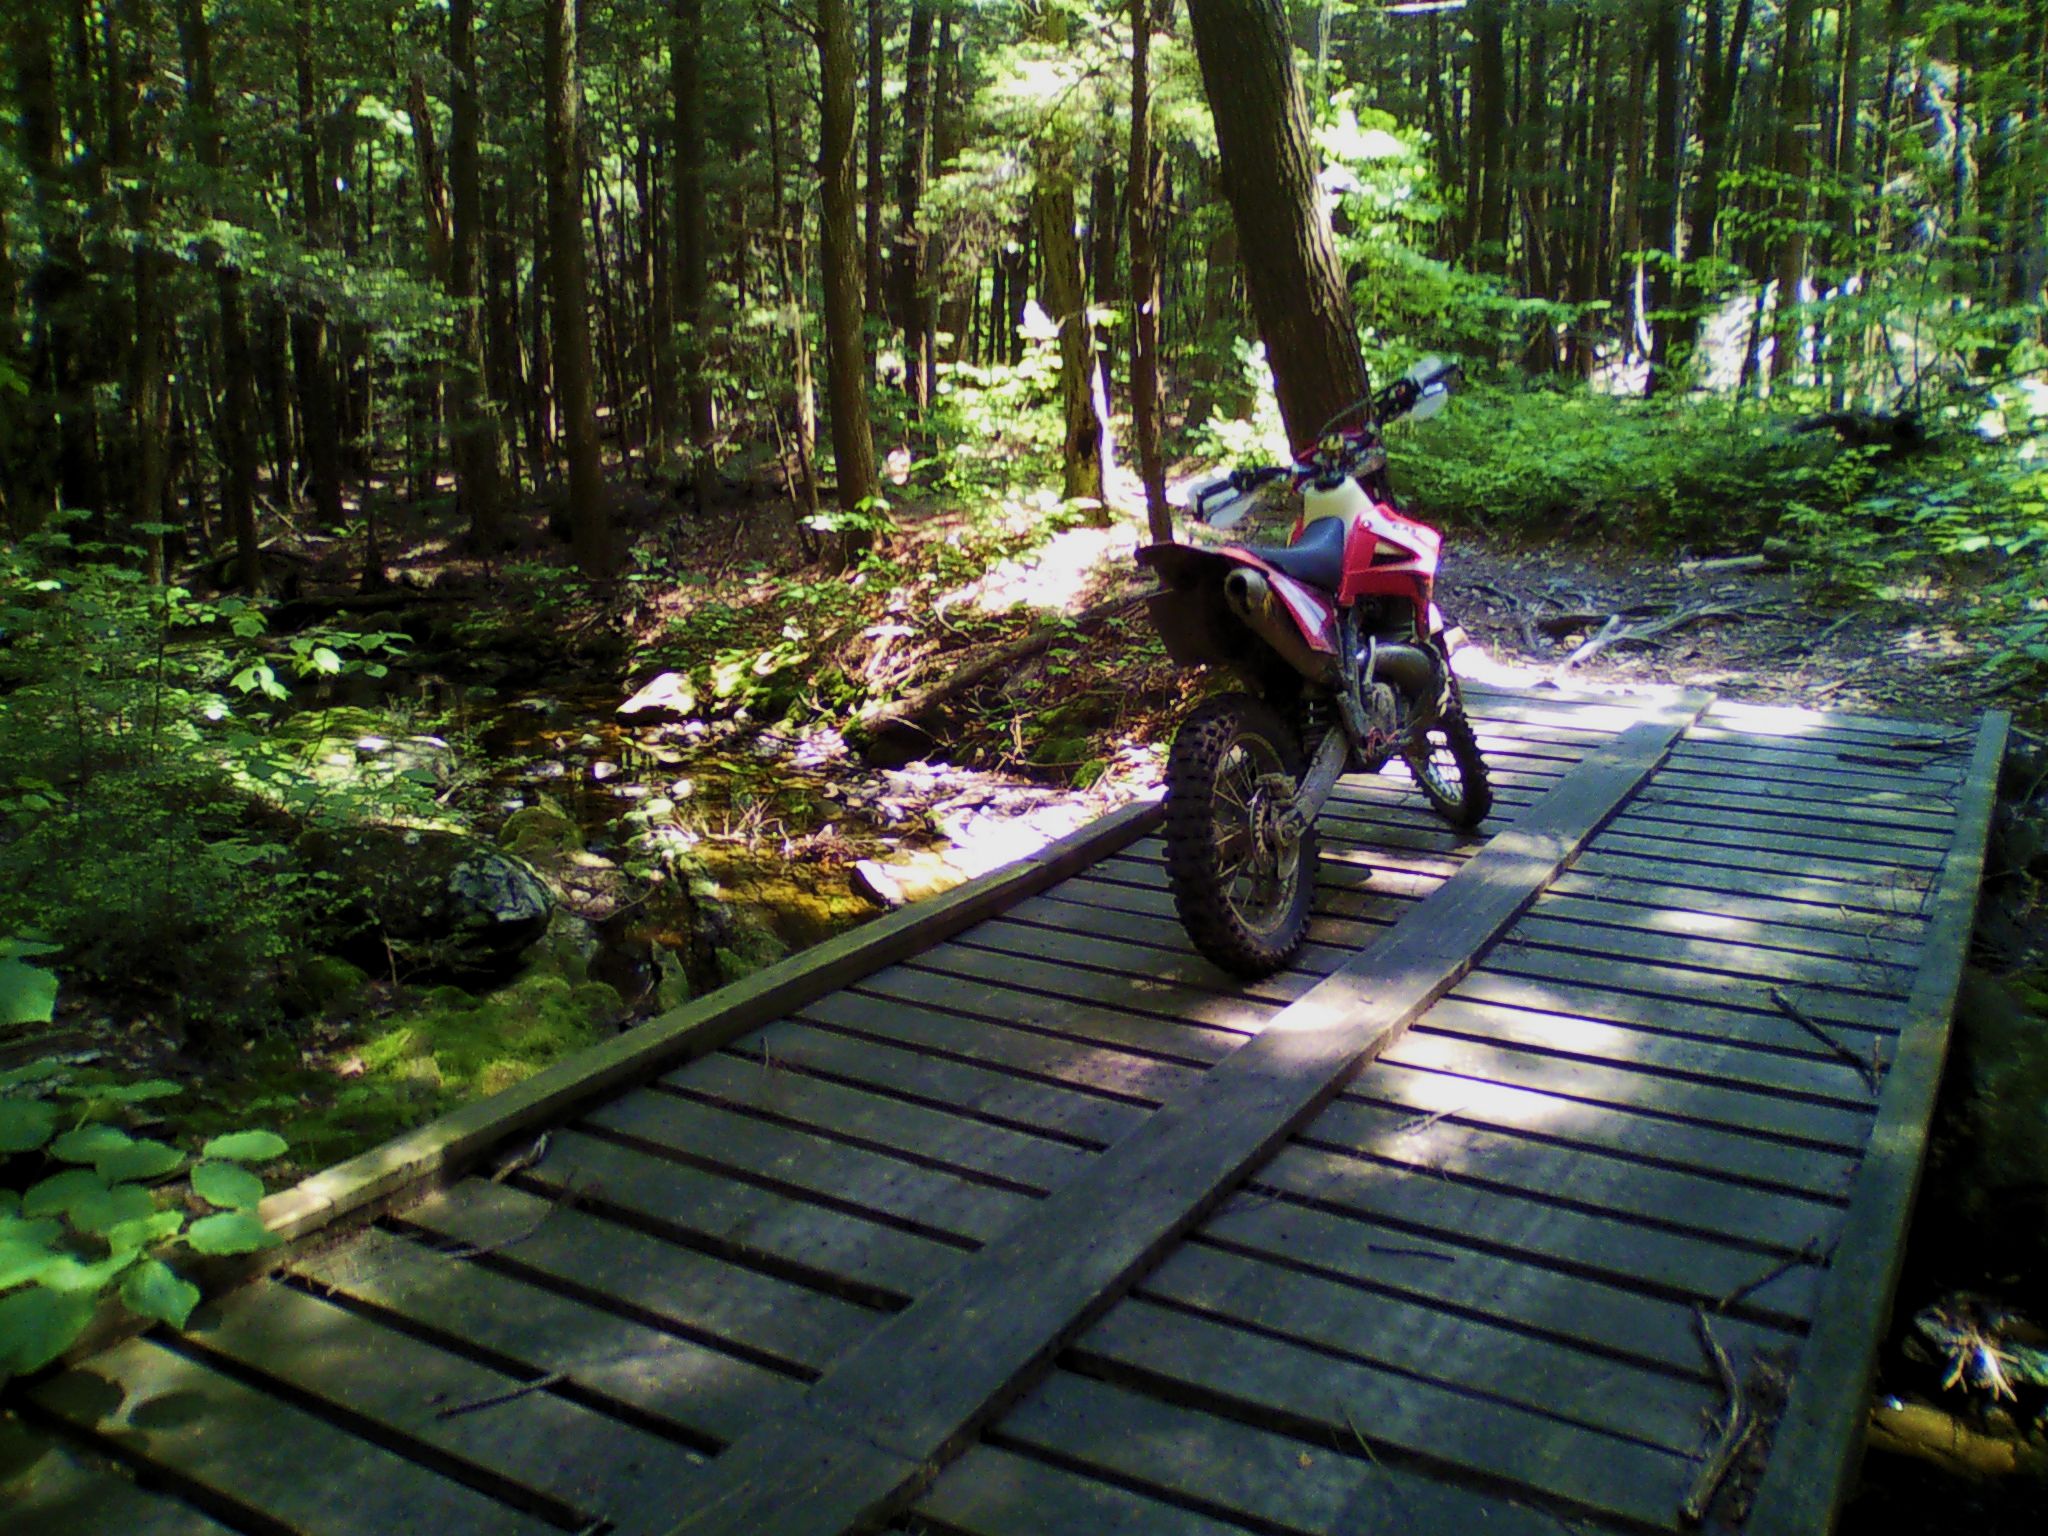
{"x": 1190, "y": 613}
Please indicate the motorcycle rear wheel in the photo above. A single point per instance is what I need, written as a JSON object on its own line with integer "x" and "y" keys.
{"x": 1241, "y": 888}
{"x": 1450, "y": 772}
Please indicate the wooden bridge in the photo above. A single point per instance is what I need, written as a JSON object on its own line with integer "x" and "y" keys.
{"x": 1009, "y": 1214}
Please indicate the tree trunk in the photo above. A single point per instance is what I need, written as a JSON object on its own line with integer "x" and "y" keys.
{"x": 237, "y": 407}
{"x": 1269, "y": 177}
{"x": 312, "y": 373}
{"x": 871, "y": 248}
{"x": 1716, "y": 129}
{"x": 839, "y": 259}
{"x": 589, "y": 530}
{"x": 789, "y": 216}
{"x": 913, "y": 167}
{"x": 1143, "y": 181}
{"x": 692, "y": 235}
{"x": 1081, "y": 447}
{"x": 1666, "y": 22}
{"x": 472, "y": 417}
{"x": 1795, "y": 98}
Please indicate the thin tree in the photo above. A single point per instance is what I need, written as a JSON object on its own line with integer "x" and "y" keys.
{"x": 590, "y": 534}
{"x": 1269, "y": 178}
{"x": 693, "y": 234}
{"x": 1144, "y": 180}
{"x": 473, "y": 420}
{"x": 853, "y": 444}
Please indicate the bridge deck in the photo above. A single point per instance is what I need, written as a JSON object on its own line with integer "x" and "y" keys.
{"x": 1046, "y": 1225}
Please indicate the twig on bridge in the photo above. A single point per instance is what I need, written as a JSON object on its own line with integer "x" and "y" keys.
{"x": 1810, "y": 1252}
{"x": 564, "y": 1198}
{"x": 1805, "y": 1021}
{"x": 1736, "y": 1426}
{"x": 512, "y": 1394}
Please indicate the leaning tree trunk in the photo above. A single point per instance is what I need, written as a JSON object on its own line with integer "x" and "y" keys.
{"x": 568, "y": 284}
{"x": 1795, "y": 97}
{"x": 1081, "y": 446}
{"x": 1269, "y": 177}
{"x": 840, "y": 263}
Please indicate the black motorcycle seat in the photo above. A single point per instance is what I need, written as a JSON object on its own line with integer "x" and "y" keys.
{"x": 1317, "y": 557}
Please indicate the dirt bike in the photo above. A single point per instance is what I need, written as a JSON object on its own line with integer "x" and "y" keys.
{"x": 1348, "y": 666}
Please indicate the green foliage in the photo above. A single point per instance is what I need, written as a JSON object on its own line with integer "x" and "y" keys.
{"x": 146, "y": 810}
{"x": 89, "y": 1207}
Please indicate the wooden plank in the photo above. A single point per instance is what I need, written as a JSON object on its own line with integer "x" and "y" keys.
{"x": 994, "y": 1492}
{"x": 1614, "y": 1249}
{"x": 542, "y": 1451}
{"x": 1734, "y": 830}
{"x": 696, "y": 1027}
{"x": 926, "y": 1134}
{"x": 1272, "y": 1482}
{"x": 1165, "y": 932}
{"x": 1873, "y": 895}
{"x": 1767, "y": 902}
{"x": 1816, "y": 769}
{"x": 1820, "y": 1433}
{"x": 1829, "y": 802}
{"x": 752, "y": 1223}
{"x": 1122, "y": 1077}
{"x": 1003, "y": 1098}
{"x": 653, "y": 1373}
{"x": 1681, "y": 857}
{"x": 1593, "y": 1179}
{"x": 1796, "y": 720}
{"x": 1702, "y": 920}
{"x": 1764, "y": 1136}
{"x": 777, "y": 1323}
{"x": 1135, "y": 1199}
{"x": 859, "y": 1180}
{"x": 50, "y": 1489}
{"x": 1160, "y": 1020}
{"x": 1859, "y": 1016}
{"x": 1413, "y": 1337}
{"x": 1879, "y": 978}
{"x": 1578, "y": 1311}
{"x": 1285, "y": 1386}
{"x": 1828, "y": 755}
{"x": 1832, "y": 1103}
{"x": 156, "y": 1409}
{"x": 1728, "y": 811}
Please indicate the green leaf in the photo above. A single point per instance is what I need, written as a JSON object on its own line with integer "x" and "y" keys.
{"x": 154, "y": 1289}
{"x": 140, "y": 1160}
{"x": 229, "y": 1232}
{"x": 38, "y": 1325}
{"x": 90, "y": 1143}
{"x": 28, "y": 993}
{"x": 111, "y": 1208}
{"x": 22, "y": 1261}
{"x": 127, "y": 1236}
{"x": 25, "y": 1124}
{"x": 133, "y": 1093}
{"x": 227, "y": 1185}
{"x": 56, "y": 1195}
{"x": 82, "y": 1277}
{"x": 247, "y": 1146}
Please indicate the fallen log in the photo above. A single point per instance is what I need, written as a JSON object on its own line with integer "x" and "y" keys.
{"x": 1619, "y": 631}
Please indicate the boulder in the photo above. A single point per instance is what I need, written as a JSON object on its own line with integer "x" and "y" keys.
{"x": 438, "y": 900}
{"x": 671, "y": 696}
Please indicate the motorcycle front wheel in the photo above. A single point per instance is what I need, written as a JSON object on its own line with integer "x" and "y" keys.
{"x": 1450, "y": 772}
{"x": 1241, "y": 885}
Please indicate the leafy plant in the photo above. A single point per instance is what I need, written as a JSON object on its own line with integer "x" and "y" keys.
{"x": 89, "y": 1207}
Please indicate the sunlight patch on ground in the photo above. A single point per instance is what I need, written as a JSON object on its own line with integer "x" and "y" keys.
{"x": 1055, "y": 576}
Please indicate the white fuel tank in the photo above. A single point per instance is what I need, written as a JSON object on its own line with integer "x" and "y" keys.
{"x": 1346, "y": 500}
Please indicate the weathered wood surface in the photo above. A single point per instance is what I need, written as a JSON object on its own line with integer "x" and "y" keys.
{"x": 1013, "y": 1215}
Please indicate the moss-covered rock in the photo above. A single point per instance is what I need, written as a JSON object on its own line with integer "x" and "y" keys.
{"x": 439, "y": 901}
{"x": 539, "y": 830}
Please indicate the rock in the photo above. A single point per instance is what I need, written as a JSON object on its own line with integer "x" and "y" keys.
{"x": 669, "y": 696}
{"x": 540, "y": 829}
{"x": 327, "y": 983}
{"x": 909, "y": 876}
{"x": 438, "y": 900}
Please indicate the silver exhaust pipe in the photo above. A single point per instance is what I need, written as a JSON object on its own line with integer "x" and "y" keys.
{"x": 1408, "y": 669}
{"x": 1250, "y": 596}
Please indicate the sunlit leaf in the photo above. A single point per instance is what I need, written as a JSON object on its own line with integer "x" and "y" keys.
{"x": 230, "y": 1232}
{"x": 141, "y": 1160}
{"x": 247, "y": 1146}
{"x": 227, "y": 1185}
{"x": 38, "y": 1325}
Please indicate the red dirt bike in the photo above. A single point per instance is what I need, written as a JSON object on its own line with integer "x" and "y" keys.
{"x": 1348, "y": 666}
